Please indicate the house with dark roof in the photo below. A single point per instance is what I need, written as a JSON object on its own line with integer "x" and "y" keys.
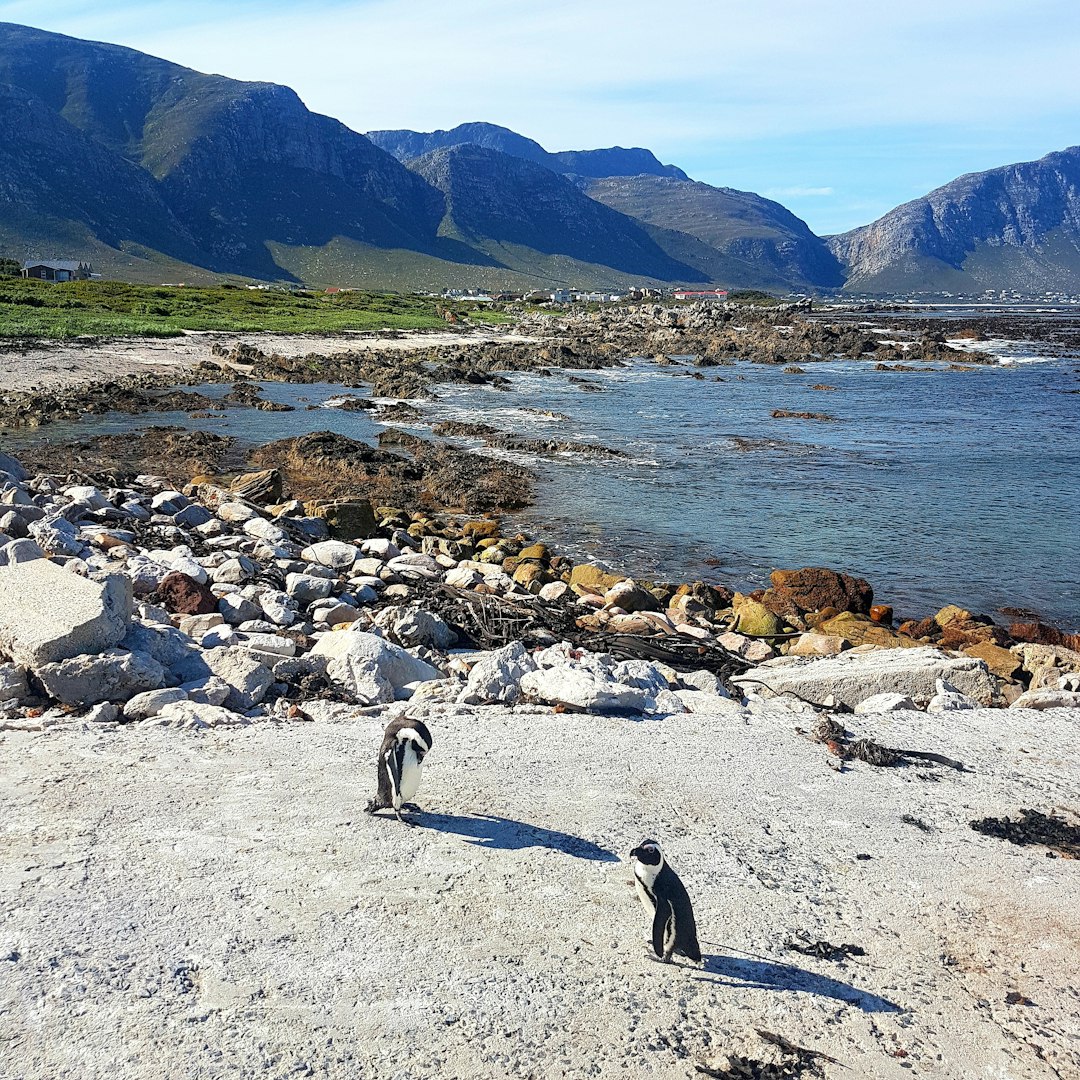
{"x": 57, "y": 270}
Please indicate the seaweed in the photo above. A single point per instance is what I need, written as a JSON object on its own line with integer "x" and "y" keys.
{"x": 1034, "y": 827}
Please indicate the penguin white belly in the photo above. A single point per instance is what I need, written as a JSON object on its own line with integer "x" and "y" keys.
{"x": 410, "y": 774}
{"x": 643, "y": 895}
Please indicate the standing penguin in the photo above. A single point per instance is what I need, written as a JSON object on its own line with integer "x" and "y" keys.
{"x": 401, "y": 758}
{"x": 664, "y": 897}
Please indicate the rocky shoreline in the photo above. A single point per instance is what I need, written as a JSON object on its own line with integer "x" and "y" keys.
{"x": 227, "y": 604}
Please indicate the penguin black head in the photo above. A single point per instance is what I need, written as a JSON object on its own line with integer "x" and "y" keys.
{"x": 648, "y": 852}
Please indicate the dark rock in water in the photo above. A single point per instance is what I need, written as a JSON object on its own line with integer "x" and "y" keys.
{"x": 814, "y": 588}
{"x": 787, "y": 414}
{"x": 274, "y": 406}
{"x": 183, "y": 595}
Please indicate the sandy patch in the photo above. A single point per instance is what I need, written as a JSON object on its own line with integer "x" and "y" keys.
{"x": 176, "y": 904}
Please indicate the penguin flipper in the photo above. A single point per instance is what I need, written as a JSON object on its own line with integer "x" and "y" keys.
{"x": 393, "y": 767}
{"x": 663, "y": 928}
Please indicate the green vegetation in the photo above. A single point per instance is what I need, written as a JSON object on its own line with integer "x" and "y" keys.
{"x": 35, "y": 309}
{"x": 9, "y": 267}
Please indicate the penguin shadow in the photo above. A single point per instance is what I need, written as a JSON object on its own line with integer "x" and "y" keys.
{"x": 506, "y": 834}
{"x": 770, "y": 975}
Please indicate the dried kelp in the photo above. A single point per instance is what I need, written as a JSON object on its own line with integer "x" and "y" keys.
{"x": 1034, "y": 827}
{"x": 841, "y": 742}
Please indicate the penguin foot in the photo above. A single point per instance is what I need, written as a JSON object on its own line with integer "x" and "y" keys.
{"x": 405, "y": 820}
{"x": 373, "y": 806}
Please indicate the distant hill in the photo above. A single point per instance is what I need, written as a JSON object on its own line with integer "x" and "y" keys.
{"x": 1013, "y": 228}
{"x": 739, "y": 225}
{"x": 501, "y": 205}
{"x": 614, "y": 161}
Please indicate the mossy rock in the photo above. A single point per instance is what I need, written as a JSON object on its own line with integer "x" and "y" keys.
{"x": 593, "y": 578}
{"x": 755, "y": 619}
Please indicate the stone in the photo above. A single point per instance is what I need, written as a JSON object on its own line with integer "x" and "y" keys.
{"x": 754, "y": 619}
{"x": 236, "y": 609}
{"x": 380, "y": 548}
{"x": 371, "y": 669}
{"x": 480, "y": 530}
{"x": 1045, "y": 663}
{"x": 13, "y": 685}
{"x": 90, "y": 496}
{"x": 48, "y": 614}
{"x": 347, "y": 519}
{"x": 496, "y": 677}
{"x": 183, "y": 595}
{"x": 195, "y": 715}
{"x": 197, "y": 625}
{"x": 337, "y": 614}
{"x": 589, "y": 577}
{"x": 306, "y": 588}
{"x": 533, "y": 553}
{"x": 247, "y": 678}
{"x": 758, "y": 651}
{"x": 13, "y": 524}
{"x": 111, "y": 675}
{"x": 151, "y": 702}
{"x": 851, "y": 677}
{"x": 631, "y": 597}
{"x": 415, "y": 563}
{"x": 55, "y": 540}
{"x": 263, "y": 486}
{"x": 884, "y": 703}
{"x": 234, "y": 571}
{"x": 705, "y": 682}
{"x": 815, "y": 644}
{"x": 1004, "y": 663}
{"x": 530, "y": 575}
{"x": 192, "y": 516}
{"x": 104, "y": 712}
{"x": 1047, "y": 698}
{"x": 552, "y": 591}
{"x": 21, "y": 551}
{"x": 413, "y": 627}
{"x": 236, "y": 513}
{"x": 333, "y": 554}
{"x": 584, "y": 689}
{"x": 262, "y": 529}
{"x": 278, "y": 607}
{"x": 209, "y": 691}
{"x": 13, "y": 468}
{"x": 948, "y": 699}
{"x": 859, "y": 630}
{"x": 814, "y": 588}
{"x": 462, "y": 577}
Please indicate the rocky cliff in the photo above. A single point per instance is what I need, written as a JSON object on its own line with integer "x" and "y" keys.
{"x": 1017, "y": 227}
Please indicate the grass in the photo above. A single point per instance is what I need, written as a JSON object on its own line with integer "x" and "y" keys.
{"x": 33, "y": 309}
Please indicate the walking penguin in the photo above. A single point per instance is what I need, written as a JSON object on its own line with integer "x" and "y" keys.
{"x": 401, "y": 758}
{"x": 664, "y": 897}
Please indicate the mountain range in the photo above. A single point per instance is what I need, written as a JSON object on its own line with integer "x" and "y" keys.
{"x": 154, "y": 171}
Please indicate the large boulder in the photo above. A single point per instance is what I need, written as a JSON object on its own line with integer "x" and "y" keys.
{"x": 588, "y": 577}
{"x": 113, "y": 675}
{"x": 852, "y": 677}
{"x": 496, "y": 677}
{"x": 859, "y": 630}
{"x": 247, "y": 678}
{"x": 347, "y": 519}
{"x": 584, "y": 689}
{"x": 49, "y": 614}
{"x": 815, "y": 588}
{"x": 373, "y": 670}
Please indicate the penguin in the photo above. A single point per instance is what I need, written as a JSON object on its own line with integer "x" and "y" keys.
{"x": 664, "y": 897}
{"x": 401, "y": 758}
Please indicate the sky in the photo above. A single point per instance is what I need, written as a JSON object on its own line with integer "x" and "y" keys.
{"x": 839, "y": 109}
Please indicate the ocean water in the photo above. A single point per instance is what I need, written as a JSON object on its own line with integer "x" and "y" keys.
{"x": 937, "y": 486}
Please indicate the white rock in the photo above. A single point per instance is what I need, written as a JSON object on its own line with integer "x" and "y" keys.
{"x": 462, "y": 577}
{"x": 195, "y": 715}
{"x": 884, "y": 703}
{"x": 497, "y": 676}
{"x": 236, "y": 609}
{"x": 641, "y": 675}
{"x": 380, "y": 548}
{"x": 336, "y": 614}
{"x": 113, "y": 675}
{"x": 949, "y": 699}
{"x": 48, "y": 613}
{"x": 266, "y": 530}
{"x": 222, "y": 636}
{"x": 412, "y": 628}
{"x": 104, "y": 712}
{"x": 236, "y": 513}
{"x": 145, "y": 574}
{"x": 192, "y": 516}
{"x": 13, "y": 686}
{"x": 334, "y": 554}
{"x": 151, "y": 702}
{"x": 248, "y": 679}
{"x": 369, "y": 667}
{"x": 1047, "y": 698}
{"x": 305, "y": 588}
{"x": 278, "y": 607}
{"x": 554, "y": 590}
{"x": 583, "y": 688}
{"x": 197, "y": 625}
{"x": 91, "y": 496}
{"x": 208, "y": 691}
{"x": 852, "y": 676}
{"x": 704, "y": 681}
{"x": 415, "y": 563}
